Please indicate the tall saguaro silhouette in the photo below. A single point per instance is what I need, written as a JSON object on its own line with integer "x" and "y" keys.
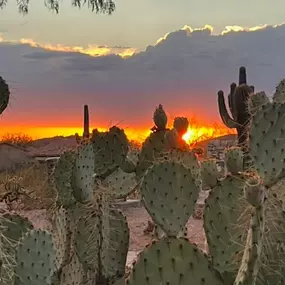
{"x": 86, "y": 132}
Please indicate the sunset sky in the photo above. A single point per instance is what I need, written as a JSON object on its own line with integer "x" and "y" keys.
{"x": 55, "y": 64}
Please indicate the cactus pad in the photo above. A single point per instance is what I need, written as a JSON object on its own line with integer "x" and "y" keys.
{"x": 169, "y": 193}
{"x": 266, "y": 142}
{"x": 121, "y": 184}
{"x": 222, "y": 216}
{"x": 35, "y": 259}
{"x": 172, "y": 139}
{"x": 62, "y": 236}
{"x": 160, "y": 118}
{"x": 110, "y": 150}
{"x": 209, "y": 172}
{"x": 87, "y": 241}
{"x": 279, "y": 95}
{"x": 188, "y": 159}
{"x": 72, "y": 273}
{"x": 181, "y": 125}
{"x": 173, "y": 261}
{"x": 14, "y": 226}
{"x": 234, "y": 160}
{"x": 83, "y": 174}
{"x": 151, "y": 151}
{"x": 256, "y": 101}
{"x": 115, "y": 243}
{"x": 62, "y": 178}
{"x": 254, "y": 191}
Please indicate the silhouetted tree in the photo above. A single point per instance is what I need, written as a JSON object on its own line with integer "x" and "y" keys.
{"x": 98, "y": 6}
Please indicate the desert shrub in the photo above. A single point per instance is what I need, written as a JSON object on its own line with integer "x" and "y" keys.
{"x": 18, "y": 139}
{"x": 33, "y": 181}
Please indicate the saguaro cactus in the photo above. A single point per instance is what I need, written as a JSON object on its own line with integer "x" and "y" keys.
{"x": 238, "y": 104}
{"x": 86, "y": 132}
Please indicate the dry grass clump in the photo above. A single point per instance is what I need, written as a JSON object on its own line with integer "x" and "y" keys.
{"x": 27, "y": 188}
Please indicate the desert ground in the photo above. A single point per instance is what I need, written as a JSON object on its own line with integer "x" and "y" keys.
{"x": 137, "y": 218}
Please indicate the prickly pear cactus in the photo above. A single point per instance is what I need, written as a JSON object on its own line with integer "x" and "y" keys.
{"x": 151, "y": 151}
{"x": 110, "y": 149}
{"x": 121, "y": 184}
{"x": 173, "y": 261}
{"x": 83, "y": 174}
{"x": 62, "y": 179}
{"x": 234, "y": 160}
{"x": 72, "y": 273}
{"x": 256, "y": 101}
{"x": 102, "y": 242}
{"x": 62, "y": 236}
{"x": 266, "y": 142}
{"x": 169, "y": 192}
{"x": 115, "y": 243}
{"x": 4, "y": 95}
{"x": 224, "y": 212}
{"x": 35, "y": 259}
{"x": 279, "y": 95}
{"x": 255, "y": 194}
{"x": 160, "y": 118}
{"x": 181, "y": 125}
{"x": 13, "y": 227}
{"x": 87, "y": 241}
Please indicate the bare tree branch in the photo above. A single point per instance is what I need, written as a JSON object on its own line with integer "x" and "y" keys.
{"x": 98, "y": 6}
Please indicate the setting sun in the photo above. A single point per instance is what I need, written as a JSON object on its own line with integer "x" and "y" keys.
{"x": 198, "y": 134}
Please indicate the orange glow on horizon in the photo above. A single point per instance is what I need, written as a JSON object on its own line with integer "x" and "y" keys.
{"x": 92, "y": 50}
{"x": 194, "y": 134}
{"x": 198, "y": 134}
{"x": 49, "y": 132}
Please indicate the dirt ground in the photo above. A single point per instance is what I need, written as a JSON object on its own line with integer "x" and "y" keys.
{"x": 137, "y": 220}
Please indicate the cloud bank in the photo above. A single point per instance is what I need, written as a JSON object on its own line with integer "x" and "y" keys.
{"x": 183, "y": 71}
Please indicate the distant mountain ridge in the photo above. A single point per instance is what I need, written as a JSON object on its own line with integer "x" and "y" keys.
{"x": 55, "y": 146}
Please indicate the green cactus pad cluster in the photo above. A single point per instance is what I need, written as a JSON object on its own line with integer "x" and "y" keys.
{"x": 256, "y": 101}
{"x": 62, "y": 236}
{"x": 224, "y": 215}
{"x": 35, "y": 258}
{"x": 169, "y": 192}
{"x": 115, "y": 243}
{"x": 279, "y": 95}
{"x": 110, "y": 149}
{"x": 150, "y": 152}
{"x": 266, "y": 142}
{"x": 173, "y": 261}
{"x": 87, "y": 241}
{"x": 14, "y": 226}
{"x": 234, "y": 160}
{"x": 62, "y": 178}
{"x": 181, "y": 125}
{"x": 221, "y": 223}
{"x": 210, "y": 173}
{"x": 160, "y": 118}
{"x": 83, "y": 174}
{"x": 72, "y": 273}
{"x": 121, "y": 184}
